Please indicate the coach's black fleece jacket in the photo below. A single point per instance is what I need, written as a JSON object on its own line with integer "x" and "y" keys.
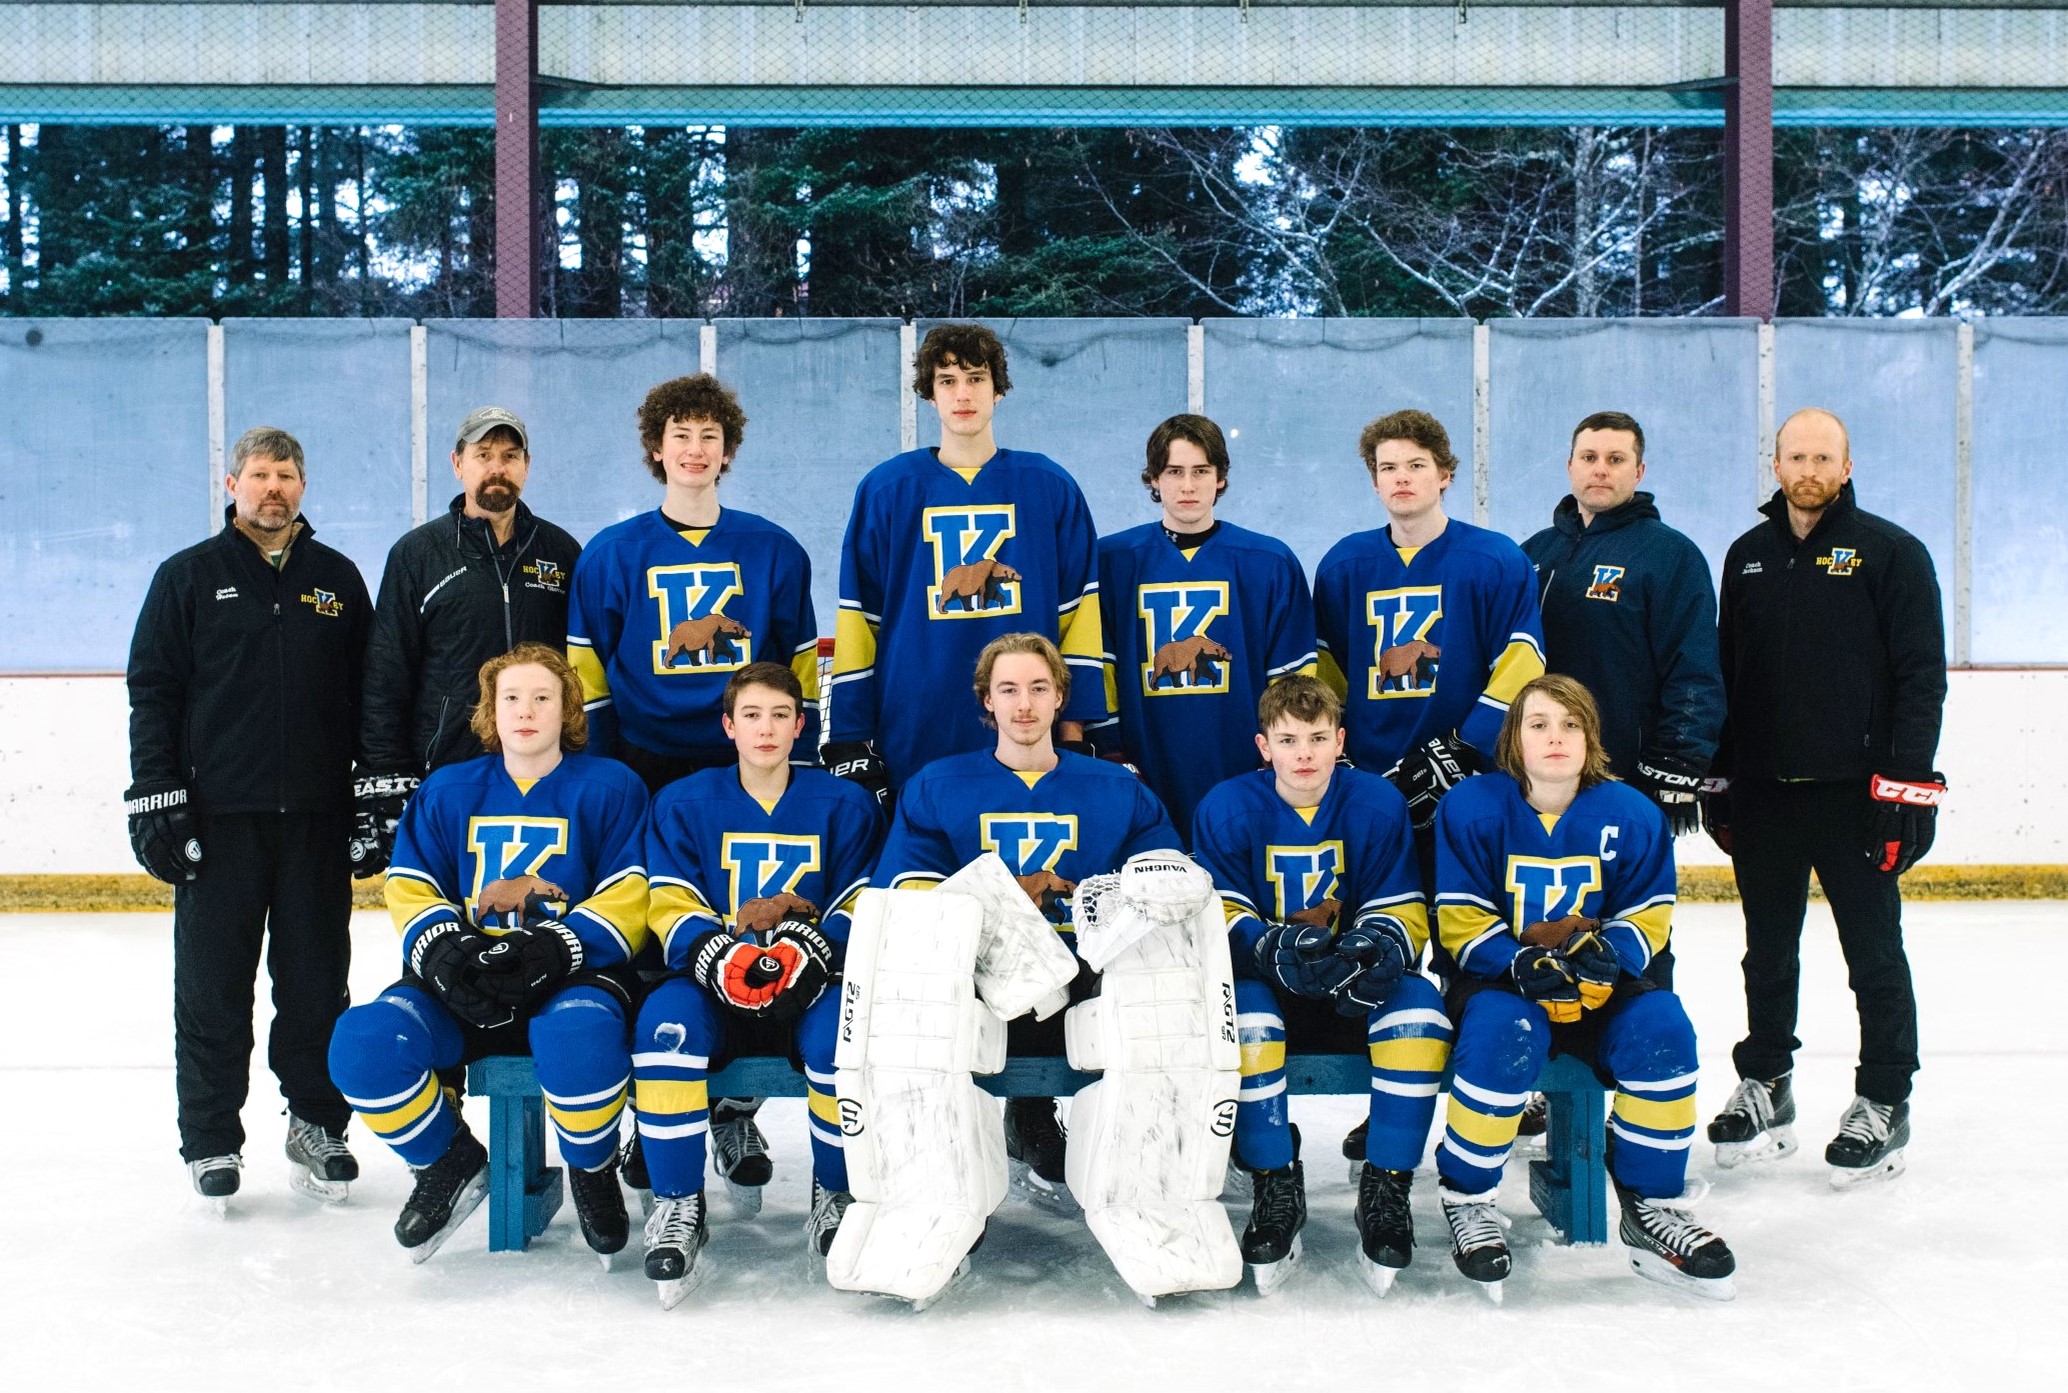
{"x": 1834, "y": 649}
{"x": 1630, "y": 611}
{"x": 451, "y": 599}
{"x": 244, "y": 680}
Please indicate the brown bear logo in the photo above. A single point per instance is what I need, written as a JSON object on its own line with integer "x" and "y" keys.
{"x": 706, "y": 641}
{"x": 520, "y": 894}
{"x": 761, "y": 915}
{"x": 1408, "y": 666}
{"x": 1050, "y": 893}
{"x": 1187, "y": 662}
{"x": 975, "y": 586}
{"x": 1321, "y": 915}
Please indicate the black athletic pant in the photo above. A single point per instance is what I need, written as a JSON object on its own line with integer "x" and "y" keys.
{"x": 280, "y": 873}
{"x": 1780, "y": 832}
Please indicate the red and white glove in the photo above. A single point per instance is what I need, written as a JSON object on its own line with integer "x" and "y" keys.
{"x": 1905, "y": 812}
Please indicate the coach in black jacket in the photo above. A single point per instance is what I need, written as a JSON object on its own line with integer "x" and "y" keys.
{"x": 457, "y": 591}
{"x": 243, "y": 696}
{"x": 1834, "y": 664}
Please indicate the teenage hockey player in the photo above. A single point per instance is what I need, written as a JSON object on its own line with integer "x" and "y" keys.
{"x": 1326, "y": 922}
{"x": 1555, "y": 888}
{"x": 668, "y": 605}
{"x": 946, "y": 550}
{"x": 753, "y": 873}
{"x": 1053, "y": 817}
{"x": 520, "y": 895}
{"x": 1199, "y": 616}
{"x": 1834, "y": 660}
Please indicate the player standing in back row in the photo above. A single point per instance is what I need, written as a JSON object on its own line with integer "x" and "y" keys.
{"x": 947, "y": 549}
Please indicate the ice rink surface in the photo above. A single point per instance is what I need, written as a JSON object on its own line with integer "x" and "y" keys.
{"x": 112, "y": 1275}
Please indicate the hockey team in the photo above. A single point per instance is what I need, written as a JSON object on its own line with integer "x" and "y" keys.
{"x": 1436, "y": 799}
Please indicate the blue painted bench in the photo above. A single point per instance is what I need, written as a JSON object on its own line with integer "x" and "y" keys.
{"x": 1569, "y": 1186}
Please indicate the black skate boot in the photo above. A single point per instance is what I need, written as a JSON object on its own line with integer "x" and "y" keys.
{"x": 740, "y": 1152}
{"x": 319, "y": 1165}
{"x": 446, "y": 1192}
{"x": 1385, "y": 1225}
{"x": 675, "y": 1234}
{"x": 1034, "y": 1144}
{"x": 216, "y": 1178}
{"x": 599, "y": 1205}
{"x": 1757, "y": 1124}
{"x": 828, "y": 1208}
{"x": 1353, "y": 1149}
{"x": 1477, "y": 1244}
{"x": 1271, "y": 1240}
{"x": 1536, "y": 1116}
{"x": 1869, "y": 1145}
{"x": 632, "y": 1167}
{"x": 1667, "y": 1246}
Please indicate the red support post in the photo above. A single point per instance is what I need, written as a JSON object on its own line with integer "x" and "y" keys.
{"x": 1748, "y": 159}
{"x": 516, "y": 159}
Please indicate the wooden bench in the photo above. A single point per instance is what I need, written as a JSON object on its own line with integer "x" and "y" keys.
{"x": 1569, "y": 1186}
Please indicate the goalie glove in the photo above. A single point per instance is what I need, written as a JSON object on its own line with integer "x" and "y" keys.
{"x": 858, "y": 762}
{"x": 1378, "y": 948}
{"x": 1716, "y": 812}
{"x": 162, "y": 832}
{"x": 1430, "y": 770}
{"x": 776, "y": 981}
{"x": 1905, "y": 815}
{"x": 1302, "y": 959}
{"x": 442, "y": 959}
{"x": 377, "y": 803}
{"x": 1676, "y": 786}
{"x": 523, "y": 967}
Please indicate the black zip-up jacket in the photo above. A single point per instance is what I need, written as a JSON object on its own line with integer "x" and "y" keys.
{"x": 244, "y": 680}
{"x": 1630, "y": 611}
{"x": 1834, "y": 649}
{"x": 451, "y": 599}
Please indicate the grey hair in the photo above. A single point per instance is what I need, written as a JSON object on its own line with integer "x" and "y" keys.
{"x": 270, "y": 442}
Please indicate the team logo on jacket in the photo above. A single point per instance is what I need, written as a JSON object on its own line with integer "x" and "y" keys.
{"x": 504, "y": 848}
{"x": 326, "y": 604}
{"x": 1842, "y": 561}
{"x": 1541, "y": 888}
{"x": 695, "y": 634}
{"x": 1404, "y": 653}
{"x": 546, "y": 575}
{"x": 1028, "y": 843}
{"x": 1301, "y": 877}
{"x": 1607, "y": 584}
{"x": 969, "y": 581}
{"x": 1182, "y": 660}
{"x": 760, "y": 865}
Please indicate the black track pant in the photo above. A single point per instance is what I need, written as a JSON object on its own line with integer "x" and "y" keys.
{"x": 1780, "y": 832}
{"x": 283, "y": 874}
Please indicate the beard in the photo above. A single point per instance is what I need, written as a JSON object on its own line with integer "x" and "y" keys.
{"x": 495, "y": 494}
{"x": 1813, "y": 495}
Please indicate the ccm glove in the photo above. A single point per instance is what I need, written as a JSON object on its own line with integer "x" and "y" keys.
{"x": 523, "y": 967}
{"x": 1905, "y": 815}
{"x": 377, "y": 802}
{"x": 442, "y": 958}
{"x": 1378, "y": 951}
{"x": 1676, "y": 786}
{"x": 1716, "y": 812}
{"x": 1430, "y": 770}
{"x": 163, "y": 833}
{"x": 1302, "y": 959}
{"x": 857, "y": 760}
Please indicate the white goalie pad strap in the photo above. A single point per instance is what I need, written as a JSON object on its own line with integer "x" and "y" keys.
{"x": 1148, "y": 1143}
{"x": 1156, "y": 887}
{"x": 925, "y": 1148}
{"x": 1022, "y": 963}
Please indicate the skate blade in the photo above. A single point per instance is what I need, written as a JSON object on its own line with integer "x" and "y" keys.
{"x": 1270, "y": 1276}
{"x": 218, "y": 1205}
{"x": 304, "y": 1181}
{"x": 645, "y": 1203}
{"x": 676, "y": 1291}
{"x": 1654, "y": 1268}
{"x": 1148, "y": 1301}
{"x": 1377, "y": 1275}
{"x": 745, "y": 1198}
{"x": 1235, "y": 1183}
{"x": 1887, "y": 1168}
{"x": 465, "y": 1203}
{"x": 1774, "y": 1144}
{"x": 961, "y": 1271}
{"x": 1044, "y": 1194}
{"x": 1493, "y": 1292}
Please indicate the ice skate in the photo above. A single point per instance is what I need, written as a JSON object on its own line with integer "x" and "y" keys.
{"x": 1034, "y": 1147}
{"x": 319, "y": 1165}
{"x": 1757, "y": 1124}
{"x": 632, "y": 1170}
{"x": 740, "y": 1152}
{"x": 1478, "y": 1244}
{"x": 599, "y": 1206}
{"x": 675, "y": 1236}
{"x": 216, "y": 1178}
{"x": 1869, "y": 1145}
{"x": 1667, "y": 1246}
{"x": 446, "y": 1192}
{"x": 1271, "y": 1240}
{"x": 1532, "y": 1132}
{"x": 828, "y": 1208}
{"x": 1353, "y": 1149}
{"x": 1385, "y": 1226}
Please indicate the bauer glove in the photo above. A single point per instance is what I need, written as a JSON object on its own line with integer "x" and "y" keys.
{"x": 1905, "y": 811}
{"x": 163, "y": 833}
{"x": 1430, "y": 770}
{"x": 442, "y": 958}
{"x": 377, "y": 803}
{"x": 858, "y": 762}
{"x": 1676, "y": 786}
{"x": 1302, "y": 959}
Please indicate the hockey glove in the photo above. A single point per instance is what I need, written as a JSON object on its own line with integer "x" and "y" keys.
{"x": 1430, "y": 770}
{"x": 748, "y": 978}
{"x": 1905, "y": 814}
{"x": 377, "y": 802}
{"x": 162, "y": 832}
{"x": 1378, "y": 948}
{"x": 523, "y": 967}
{"x": 857, "y": 760}
{"x": 1544, "y": 976}
{"x": 1716, "y": 812}
{"x": 799, "y": 940}
{"x": 442, "y": 958}
{"x": 1676, "y": 786}
{"x": 1302, "y": 959}
{"x": 1595, "y": 967}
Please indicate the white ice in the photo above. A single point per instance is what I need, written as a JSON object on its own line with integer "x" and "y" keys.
{"x": 112, "y": 1275}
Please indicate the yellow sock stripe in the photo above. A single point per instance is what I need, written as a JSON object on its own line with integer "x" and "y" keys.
{"x": 1658, "y": 1115}
{"x": 1262, "y": 1057}
{"x": 1411, "y": 1054}
{"x": 587, "y": 1119}
{"x": 1485, "y": 1131}
{"x": 659, "y": 1097}
{"x": 388, "y": 1121}
{"x": 823, "y": 1106}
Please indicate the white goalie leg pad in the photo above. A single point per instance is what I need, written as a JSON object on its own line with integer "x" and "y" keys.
{"x": 1022, "y": 962}
{"x": 1148, "y": 1143}
{"x": 925, "y": 1147}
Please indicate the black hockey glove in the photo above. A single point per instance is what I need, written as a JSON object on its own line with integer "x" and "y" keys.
{"x": 1379, "y": 951}
{"x": 858, "y": 761}
{"x": 1430, "y": 770}
{"x": 1676, "y": 786}
{"x": 1595, "y": 966}
{"x": 163, "y": 833}
{"x": 523, "y": 967}
{"x": 1716, "y": 812}
{"x": 377, "y": 802}
{"x": 1544, "y": 976}
{"x": 1905, "y": 814}
{"x": 442, "y": 958}
{"x": 1302, "y": 959}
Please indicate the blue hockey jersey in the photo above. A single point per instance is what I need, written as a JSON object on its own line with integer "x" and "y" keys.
{"x": 658, "y": 622}
{"x": 1470, "y": 593}
{"x": 578, "y": 827}
{"x": 1502, "y": 866}
{"x": 921, "y": 593}
{"x": 711, "y": 846}
{"x": 1187, "y": 717}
